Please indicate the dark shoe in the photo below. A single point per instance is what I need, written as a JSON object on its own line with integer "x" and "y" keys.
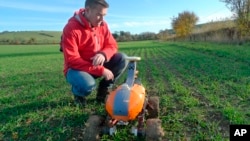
{"x": 101, "y": 94}
{"x": 80, "y": 100}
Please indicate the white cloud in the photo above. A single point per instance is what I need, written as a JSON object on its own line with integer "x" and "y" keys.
{"x": 114, "y": 25}
{"x": 140, "y": 26}
{"x": 145, "y": 23}
{"x": 136, "y": 17}
{"x": 131, "y": 24}
{"x": 216, "y": 16}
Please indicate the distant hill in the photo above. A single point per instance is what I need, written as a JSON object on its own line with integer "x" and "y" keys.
{"x": 213, "y": 26}
{"x": 28, "y": 36}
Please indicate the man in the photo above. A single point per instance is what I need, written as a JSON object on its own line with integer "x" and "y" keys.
{"x": 90, "y": 52}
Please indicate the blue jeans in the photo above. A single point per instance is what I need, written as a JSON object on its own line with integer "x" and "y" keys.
{"x": 84, "y": 83}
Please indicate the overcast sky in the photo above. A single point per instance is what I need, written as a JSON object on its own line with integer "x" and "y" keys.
{"x": 135, "y": 16}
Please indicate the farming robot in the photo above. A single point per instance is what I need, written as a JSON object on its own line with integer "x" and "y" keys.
{"x": 128, "y": 103}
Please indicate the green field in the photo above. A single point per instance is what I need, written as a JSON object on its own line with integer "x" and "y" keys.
{"x": 203, "y": 88}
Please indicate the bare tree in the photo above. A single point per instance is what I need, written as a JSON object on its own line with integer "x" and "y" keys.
{"x": 241, "y": 9}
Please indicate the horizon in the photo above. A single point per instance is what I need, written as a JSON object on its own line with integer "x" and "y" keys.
{"x": 153, "y": 16}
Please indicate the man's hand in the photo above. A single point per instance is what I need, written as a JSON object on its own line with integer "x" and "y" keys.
{"x": 107, "y": 74}
{"x": 98, "y": 59}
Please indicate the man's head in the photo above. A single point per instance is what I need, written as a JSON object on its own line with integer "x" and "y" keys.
{"x": 95, "y": 10}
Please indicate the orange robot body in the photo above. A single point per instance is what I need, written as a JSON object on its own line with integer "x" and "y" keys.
{"x": 125, "y": 103}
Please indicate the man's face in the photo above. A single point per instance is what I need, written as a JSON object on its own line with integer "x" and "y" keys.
{"x": 95, "y": 15}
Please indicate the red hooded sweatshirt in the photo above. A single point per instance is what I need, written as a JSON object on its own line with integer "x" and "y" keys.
{"x": 80, "y": 42}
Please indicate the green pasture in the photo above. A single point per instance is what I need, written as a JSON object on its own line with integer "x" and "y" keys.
{"x": 203, "y": 88}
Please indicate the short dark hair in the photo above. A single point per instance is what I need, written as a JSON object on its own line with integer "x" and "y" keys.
{"x": 93, "y": 3}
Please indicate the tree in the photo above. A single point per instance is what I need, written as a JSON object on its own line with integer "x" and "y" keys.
{"x": 115, "y": 35}
{"x": 241, "y": 9}
{"x": 148, "y": 36}
{"x": 32, "y": 40}
{"x": 184, "y": 23}
{"x": 163, "y": 34}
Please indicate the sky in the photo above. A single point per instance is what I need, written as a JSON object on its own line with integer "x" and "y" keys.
{"x": 134, "y": 16}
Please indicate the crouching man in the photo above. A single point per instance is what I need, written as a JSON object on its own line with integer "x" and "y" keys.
{"x": 90, "y": 52}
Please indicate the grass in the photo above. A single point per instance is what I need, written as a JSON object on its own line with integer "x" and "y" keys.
{"x": 203, "y": 88}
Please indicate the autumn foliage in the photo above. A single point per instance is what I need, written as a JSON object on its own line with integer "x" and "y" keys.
{"x": 184, "y": 23}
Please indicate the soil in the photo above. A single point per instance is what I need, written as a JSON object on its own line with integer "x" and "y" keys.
{"x": 92, "y": 128}
{"x": 154, "y": 131}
